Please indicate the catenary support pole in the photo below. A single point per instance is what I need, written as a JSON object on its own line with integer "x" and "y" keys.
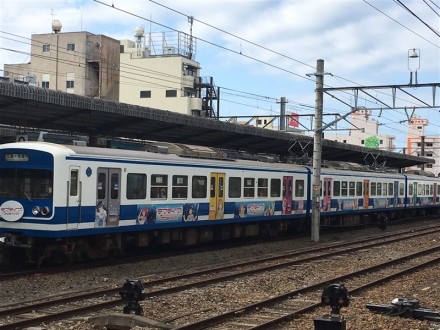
{"x": 317, "y": 150}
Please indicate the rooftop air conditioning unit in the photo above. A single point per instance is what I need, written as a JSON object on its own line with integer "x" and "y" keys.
{"x": 22, "y": 137}
{"x": 169, "y": 50}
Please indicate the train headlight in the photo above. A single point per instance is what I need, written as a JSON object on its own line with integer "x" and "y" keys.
{"x": 45, "y": 210}
{"x": 36, "y": 210}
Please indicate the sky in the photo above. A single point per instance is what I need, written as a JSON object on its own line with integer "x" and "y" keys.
{"x": 258, "y": 51}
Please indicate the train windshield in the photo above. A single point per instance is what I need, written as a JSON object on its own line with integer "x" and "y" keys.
{"x": 26, "y": 183}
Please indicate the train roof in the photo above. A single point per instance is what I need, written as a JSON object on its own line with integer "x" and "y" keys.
{"x": 93, "y": 152}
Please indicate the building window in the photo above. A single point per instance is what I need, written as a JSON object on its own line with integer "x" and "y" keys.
{"x": 344, "y": 141}
{"x": 171, "y": 93}
{"x": 70, "y": 80}
{"x": 71, "y": 47}
{"x": 381, "y": 142}
{"x": 145, "y": 94}
{"x": 46, "y": 48}
{"x": 362, "y": 142}
{"x": 45, "y": 80}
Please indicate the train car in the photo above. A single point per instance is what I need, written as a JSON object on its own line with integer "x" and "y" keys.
{"x": 92, "y": 200}
{"x": 351, "y": 198}
{"x": 80, "y": 201}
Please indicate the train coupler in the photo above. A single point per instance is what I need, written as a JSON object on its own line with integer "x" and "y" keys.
{"x": 405, "y": 307}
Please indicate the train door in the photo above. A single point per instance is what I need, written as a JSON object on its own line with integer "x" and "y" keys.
{"x": 287, "y": 194}
{"x": 326, "y": 195}
{"x": 73, "y": 208}
{"x": 366, "y": 195}
{"x": 108, "y": 197}
{"x": 217, "y": 196}
{"x": 415, "y": 193}
{"x": 396, "y": 193}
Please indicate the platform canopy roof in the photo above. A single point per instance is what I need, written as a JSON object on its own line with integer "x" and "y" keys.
{"x": 24, "y": 107}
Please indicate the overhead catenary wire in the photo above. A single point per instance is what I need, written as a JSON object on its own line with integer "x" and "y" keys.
{"x": 140, "y": 80}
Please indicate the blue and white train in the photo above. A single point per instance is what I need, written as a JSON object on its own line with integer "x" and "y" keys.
{"x": 81, "y": 200}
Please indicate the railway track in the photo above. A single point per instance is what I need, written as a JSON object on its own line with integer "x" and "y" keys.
{"x": 37, "y": 312}
{"x": 269, "y": 313}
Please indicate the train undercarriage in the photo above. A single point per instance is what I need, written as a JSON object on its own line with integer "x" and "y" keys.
{"x": 19, "y": 251}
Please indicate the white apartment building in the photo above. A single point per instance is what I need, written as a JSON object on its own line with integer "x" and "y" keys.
{"x": 158, "y": 71}
{"x": 425, "y": 146}
{"x": 364, "y": 132}
{"x": 75, "y": 62}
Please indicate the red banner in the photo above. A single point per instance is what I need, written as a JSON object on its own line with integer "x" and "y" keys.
{"x": 293, "y": 120}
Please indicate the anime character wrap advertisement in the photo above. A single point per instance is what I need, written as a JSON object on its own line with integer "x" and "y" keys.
{"x": 253, "y": 209}
{"x": 166, "y": 213}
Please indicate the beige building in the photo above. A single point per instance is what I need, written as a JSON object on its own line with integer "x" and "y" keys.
{"x": 420, "y": 145}
{"x": 364, "y": 132}
{"x": 158, "y": 71}
{"x": 74, "y": 62}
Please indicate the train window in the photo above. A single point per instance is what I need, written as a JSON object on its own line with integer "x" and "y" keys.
{"x": 419, "y": 189}
{"x": 379, "y": 189}
{"x": 199, "y": 185}
{"x": 344, "y": 189}
{"x": 429, "y": 189}
{"x": 336, "y": 188}
{"x": 390, "y": 189}
{"x": 180, "y": 187}
{"x": 234, "y": 187}
{"x": 262, "y": 187}
{"x": 358, "y": 188}
{"x": 159, "y": 186}
{"x": 212, "y": 187}
{"x": 401, "y": 188}
{"x": 221, "y": 186}
{"x": 26, "y": 183}
{"x": 410, "y": 189}
{"x": 275, "y": 187}
{"x": 102, "y": 185}
{"x": 73, "y": 183}
{"x": 249, "y": 187}
{"x": 136, "y": 186}
{"x": 114, "y": 181}
{"x": 438, "y": 189}
{"x": 299, "y": 188}
{"x": 373, "y": 189}
{"x": 351, "y": 189}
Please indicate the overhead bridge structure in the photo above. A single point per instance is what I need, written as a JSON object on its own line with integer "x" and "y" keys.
{"x": 25, "y": 108}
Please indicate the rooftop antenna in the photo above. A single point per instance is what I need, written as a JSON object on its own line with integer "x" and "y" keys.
{"x": 190, "y": 21}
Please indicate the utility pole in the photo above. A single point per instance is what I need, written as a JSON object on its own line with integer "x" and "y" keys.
{"x": 317, "y": 150}
{"x": 283, "y": 120}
